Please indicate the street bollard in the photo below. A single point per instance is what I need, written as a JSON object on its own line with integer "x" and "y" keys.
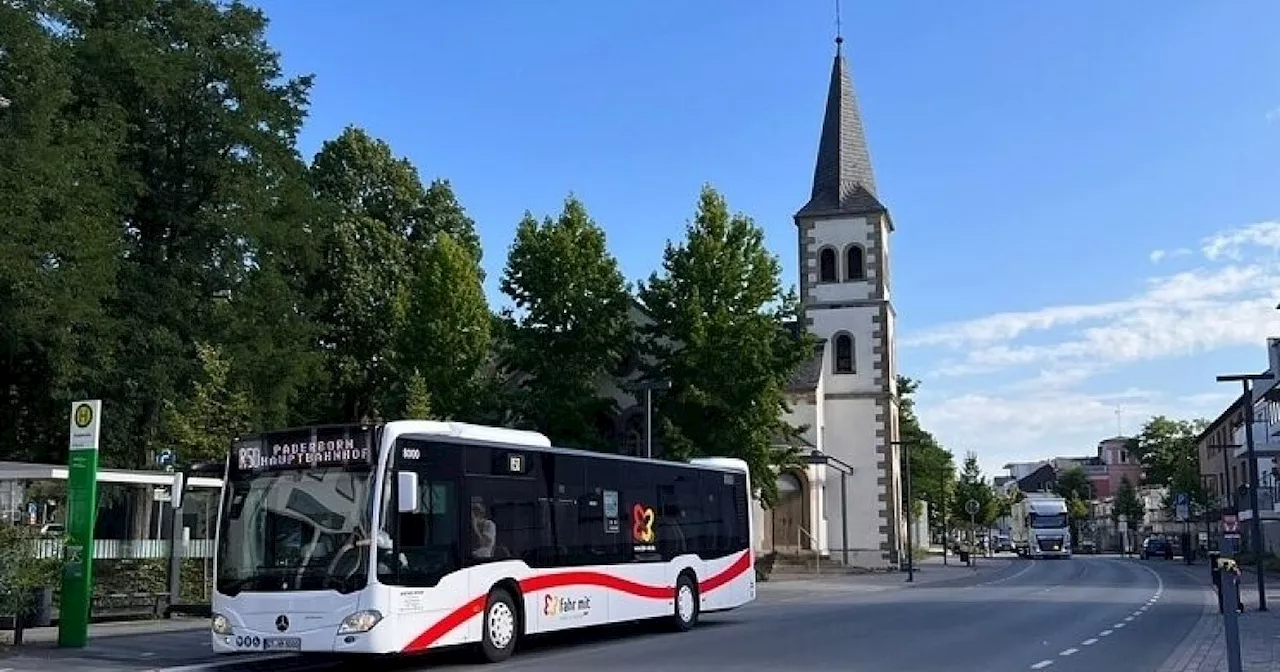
{"x": 1230, "y": 580}
{"x": 1215, "y": 575}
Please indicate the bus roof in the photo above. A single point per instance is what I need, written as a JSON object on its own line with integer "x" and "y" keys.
{"x": 501, "y": 436}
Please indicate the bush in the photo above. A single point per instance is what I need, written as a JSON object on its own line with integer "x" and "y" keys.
{"x": 21, "y": 573}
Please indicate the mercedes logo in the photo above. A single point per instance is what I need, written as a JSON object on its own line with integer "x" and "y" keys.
{"x": 282, "y": 622}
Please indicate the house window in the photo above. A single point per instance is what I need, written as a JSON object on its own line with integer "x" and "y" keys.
{"x": 844, "y": 354}
{"x": 855, "y": 263}
{"x": 827, "y": 265}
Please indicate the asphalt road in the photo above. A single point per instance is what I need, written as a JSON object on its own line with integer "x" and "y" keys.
{"x": 1087, "y": 614}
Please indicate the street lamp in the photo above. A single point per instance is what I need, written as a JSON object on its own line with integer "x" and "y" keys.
{"x": 911, "y": 546}
{"x": 4, "y": 102}
{"x": 817, "y": 457}
{"x": 1255, "y": 519}
{"x": 648, "y": 386}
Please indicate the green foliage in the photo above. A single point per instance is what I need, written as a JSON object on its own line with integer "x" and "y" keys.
{"x": 972, "y": 485}
{"x": 417, "y": 404}
{"x": 933, "y": 470}
{"x": 20, "y": 571}
{"x": 719, "y": 335}
{"x": 446, "y": 335}
{"x": 1169, "y": 455}
{"x": 1073, "y": 485}
{"x": 203, "y": 423}
{"x": 570, "y": 325}
{"x": 1128, "y": 504}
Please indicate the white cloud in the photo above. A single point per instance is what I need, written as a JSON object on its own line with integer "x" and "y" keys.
{"x": 1156, "y": 256}
{"x": 1005, "y": 427}
{"x": 1053, "y": 406}
{"x": 1273, "y": 114}
{"x": 1193, "y": 311}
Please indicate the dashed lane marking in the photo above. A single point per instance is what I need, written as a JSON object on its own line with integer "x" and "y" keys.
{"x": 1042, "y": 664}
{"x": 1090, "y": 642}
{"x": 1069, "y": 652}
{"x": 1105, "y": 633}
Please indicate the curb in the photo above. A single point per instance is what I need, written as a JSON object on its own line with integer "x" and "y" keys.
{"x": 228, "y": 661}
{"x": 1183, "y": 657}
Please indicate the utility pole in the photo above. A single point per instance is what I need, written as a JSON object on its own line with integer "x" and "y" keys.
{"x": 648, "y": 386}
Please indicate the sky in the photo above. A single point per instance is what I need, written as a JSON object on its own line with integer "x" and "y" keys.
{"x": 1085, "y": 193}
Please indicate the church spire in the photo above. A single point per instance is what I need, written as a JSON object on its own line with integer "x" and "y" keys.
{"x": 843, "y": 183}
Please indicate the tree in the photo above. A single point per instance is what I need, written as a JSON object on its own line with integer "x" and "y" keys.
{"x": 972, "y": 485}
{"x": 719, "y": 334}
{"x": 570, "y": 324}
{"x": 206, "y": 180}
{"x": 59, "y": 238}
{"x": 932, "y": 467}
{"x": 1127, "y": 504}
{"x": 202, "y": 425}
{"x": 417, "y": 405}
{"x": 446, "y": 334}
{"x": 1171, "y": 458}
{"x": 1074, "y": 486}
{"x": 371, "y": 200}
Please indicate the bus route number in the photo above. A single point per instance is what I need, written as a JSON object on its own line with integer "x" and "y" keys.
{"x": 411, "y": 453}
{"x": 248, "y": 642}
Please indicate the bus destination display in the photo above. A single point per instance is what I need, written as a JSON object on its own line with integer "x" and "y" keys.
{"x": 305, "y": 449}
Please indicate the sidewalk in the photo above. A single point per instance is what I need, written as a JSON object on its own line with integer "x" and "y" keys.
{"x": 1204, "y": 650}
{"x": 928, "y": 571}
{"x": 124, "y": 647}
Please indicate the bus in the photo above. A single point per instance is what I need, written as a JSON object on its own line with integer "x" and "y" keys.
{"x": 415, "y": 535}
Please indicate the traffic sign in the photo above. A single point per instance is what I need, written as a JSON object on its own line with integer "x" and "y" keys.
{"x": 1182, "y": 507}
{"x": 972, "y": 507}
{"x": 1230, "y": 526}
{"x": 166, "y": 458}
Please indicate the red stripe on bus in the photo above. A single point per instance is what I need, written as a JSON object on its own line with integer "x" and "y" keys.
{"x": 534, "y": 584}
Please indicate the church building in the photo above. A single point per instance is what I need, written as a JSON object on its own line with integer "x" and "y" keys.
{"x": 847, "y": 394}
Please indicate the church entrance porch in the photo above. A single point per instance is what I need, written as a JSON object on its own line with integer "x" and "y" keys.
{"x": 789, "y": 527}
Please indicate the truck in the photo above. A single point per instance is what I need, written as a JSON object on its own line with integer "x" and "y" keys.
{"x": 1040, "y": 526}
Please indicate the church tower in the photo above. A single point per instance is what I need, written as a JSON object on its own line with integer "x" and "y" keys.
{"x": 844, "y": 234}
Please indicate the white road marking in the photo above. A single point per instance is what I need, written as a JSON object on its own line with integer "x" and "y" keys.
{"x": 1042, "y": 664}
{"x": 1090, "y": 642}
{"x": 1117, "y": 626}
{"x": 1128, "y": 618}
{"x": 1015, "y": 575}
{"x": 1137, "y": 613}
{"x": 1069, "y": 652}
{"x": 1104, "y": 633}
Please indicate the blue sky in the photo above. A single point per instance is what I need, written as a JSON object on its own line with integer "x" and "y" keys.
{"x": 1035, "y": 157}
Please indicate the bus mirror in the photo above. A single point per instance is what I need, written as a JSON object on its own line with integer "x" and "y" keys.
{"x": 408, "y": 487}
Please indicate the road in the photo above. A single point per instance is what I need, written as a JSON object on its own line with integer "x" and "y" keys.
{"x": 1087, "y": 614}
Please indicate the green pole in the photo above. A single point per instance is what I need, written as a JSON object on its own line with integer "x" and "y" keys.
{"x": 82, "y": 513}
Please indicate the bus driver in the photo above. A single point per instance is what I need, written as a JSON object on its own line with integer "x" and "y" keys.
{"x": 484, "y": 533}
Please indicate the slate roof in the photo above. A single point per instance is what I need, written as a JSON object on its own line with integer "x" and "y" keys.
{"x": 843, "y": 182}
{"x": 806, "y": 376}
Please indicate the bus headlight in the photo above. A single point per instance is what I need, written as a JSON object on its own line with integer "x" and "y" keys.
{"x": 361, "y": 621}
{"x": 220, "y": 625}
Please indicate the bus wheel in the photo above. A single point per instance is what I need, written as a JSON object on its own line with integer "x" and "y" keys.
{"x": 686, "y": 608}
{"x": 501, "y": 627}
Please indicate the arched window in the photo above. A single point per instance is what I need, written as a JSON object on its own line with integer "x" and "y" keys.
{"x": 827, "y": 265}
{"x": 855, "y": 263}
{"x": 844, "y": 354}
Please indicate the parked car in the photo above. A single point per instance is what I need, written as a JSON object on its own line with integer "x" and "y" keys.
{"x": 1154, "y": 547}
{"x": 1087, "y": 548}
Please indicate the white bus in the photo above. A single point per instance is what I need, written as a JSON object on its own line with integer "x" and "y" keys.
{"x": 414, "y": 535}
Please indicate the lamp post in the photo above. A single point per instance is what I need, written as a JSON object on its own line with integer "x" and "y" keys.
{"x": 648, "y": 386}
{"x": 817, "y": 457}
{"x": 1255, "y": 519}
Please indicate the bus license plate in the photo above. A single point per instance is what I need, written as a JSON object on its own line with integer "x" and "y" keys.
{"x": 282, "y": 644}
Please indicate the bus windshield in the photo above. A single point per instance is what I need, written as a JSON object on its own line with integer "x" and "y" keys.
{"x": 1048, "y": 520}
{"x": 296, "y": 512}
